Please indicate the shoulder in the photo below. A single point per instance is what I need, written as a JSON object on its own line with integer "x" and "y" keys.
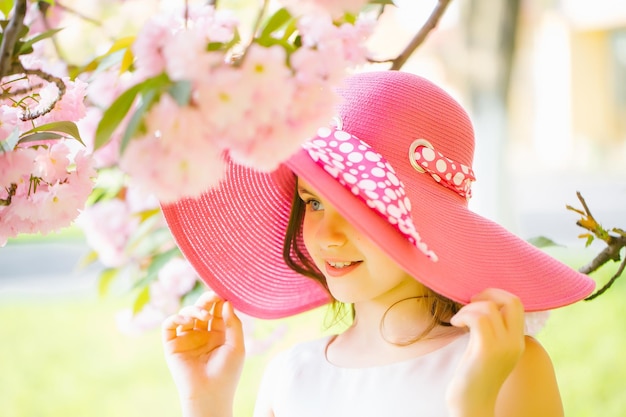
{"x": 304, "y": 352}
{"x": 535, "y": 361}
{"x": 282, "y": 372}
{"x": 531, "y": 389}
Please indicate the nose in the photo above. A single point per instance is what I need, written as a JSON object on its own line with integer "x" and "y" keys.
{"x": 330, "y": 231}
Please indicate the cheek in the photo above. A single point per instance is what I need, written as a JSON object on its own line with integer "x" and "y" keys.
{"x": 307, "y": 234}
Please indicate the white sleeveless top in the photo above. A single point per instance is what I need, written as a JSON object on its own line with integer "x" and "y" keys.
{"x": 302, "y": 383}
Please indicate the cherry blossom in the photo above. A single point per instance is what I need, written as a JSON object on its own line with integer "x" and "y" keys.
{"x": 205, "y": 89}
{"x": 107, "y": 227}
{"x": 48, "y": 202}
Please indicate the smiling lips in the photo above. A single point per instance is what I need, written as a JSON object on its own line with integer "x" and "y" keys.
{"x": 337, "y": 268}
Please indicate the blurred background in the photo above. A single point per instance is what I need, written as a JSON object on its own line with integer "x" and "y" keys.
{"x": 545, "y": 84}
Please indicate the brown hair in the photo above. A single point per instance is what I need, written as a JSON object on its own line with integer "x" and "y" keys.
{"x": 297, "y": 258}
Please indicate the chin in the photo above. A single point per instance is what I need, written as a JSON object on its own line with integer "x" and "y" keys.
{"x": 345, "y": 295}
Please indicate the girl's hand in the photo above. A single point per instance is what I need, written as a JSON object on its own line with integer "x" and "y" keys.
{"x": 495, "y": 319}
{"x": 204, "y": 351}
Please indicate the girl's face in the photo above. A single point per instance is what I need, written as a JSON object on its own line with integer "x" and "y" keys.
{"x": 356, "y": 269}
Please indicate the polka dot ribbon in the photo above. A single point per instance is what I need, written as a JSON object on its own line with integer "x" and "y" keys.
{"x": 367, "y": 175}
{"x": 450, "y": 174}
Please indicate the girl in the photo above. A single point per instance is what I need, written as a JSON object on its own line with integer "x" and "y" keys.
{"x": 372, "y": 212}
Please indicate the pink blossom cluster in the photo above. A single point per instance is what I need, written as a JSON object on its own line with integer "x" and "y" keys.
{"x": 110, "y": 224}
{"x": 174, "y": 280}
{"x": 47, "y": 191}
{"x": 255, "y": 106}
{"x": 43, "y": 183}
{"x": 332, "y": 8}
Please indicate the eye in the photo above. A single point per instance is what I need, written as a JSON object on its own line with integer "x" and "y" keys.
{"x": 313, "y": 204}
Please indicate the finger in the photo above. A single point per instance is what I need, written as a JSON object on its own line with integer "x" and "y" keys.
{"x": 510, "y": 306}
{"x": 201, "y": 318}
{"x": 480, "y": 317}
{"x": 207, "y": 300}
{"x": 171, "y": 326}
{"x": 217, "y": 322}
{"x": 196, "y": 312}
{"x": 233, "y": 328}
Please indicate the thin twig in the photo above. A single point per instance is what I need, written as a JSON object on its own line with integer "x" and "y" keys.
{"x": 10, "y": 37}
{"x": 186, "y": 13}
{"x": 420, "y": 36}
{"x": 27, "y": 115}
{"x": 584, "y": 203}
{"x": 614, "y": 245}
{"x": 255, "y": 29}
{"x": 10, "y": 193}
{"x": 601, "y": 291}
{"x": 43, "y": 10}
{"x": 610, "y": 253}
{"x": 77, "y": 13}
{"x": 8, "y": 93}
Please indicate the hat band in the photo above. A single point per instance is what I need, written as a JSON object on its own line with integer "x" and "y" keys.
{"x": 452, "y": 175}
{"x": 368, "y": 176}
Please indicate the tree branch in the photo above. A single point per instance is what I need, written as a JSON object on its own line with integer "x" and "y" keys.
{"x": 420, "y": 36}
{"x": 27, "y": 115}
{"x": 610, "y": 253}
{"x": 10, "y": 37}
{"x": 601, "y": 291}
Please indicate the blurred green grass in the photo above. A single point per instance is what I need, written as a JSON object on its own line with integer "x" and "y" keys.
{"x": 65, "y": 357}
{"x": 586, "y": 342}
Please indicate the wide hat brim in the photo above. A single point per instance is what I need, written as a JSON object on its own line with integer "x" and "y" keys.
{"x": 233, "y": 235}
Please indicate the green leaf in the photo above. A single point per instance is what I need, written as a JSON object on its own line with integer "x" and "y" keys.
{"x": 275, "y": 22}
{"x": 127, "y": 60}
{"x": 99, "y": 63}
{"x": 220, "y": 46}
{"x": 69, "y": 128}
{"x": 6, "y": 6}
{"x": 267, "y": 42}
{"x": 181, "y": 92}
{"x": 137, "y": 118}
{"x": 114, "y": 115}
{"x": 119, "y": 52}
{"x": 158, "y": 262}
{"x": 20, "y": 49}
{"x": 104, "y": 283}
{"x": 8, "y": 145}
{"x": 122, "y": 43}
{"x": 28, "y": 44}
{"x": 35, "y": 137}
{"x": 146, "y": 214}
{"x": 155, "y": 266}
{"x": 141, "y": 300}
{"x": 542, "y": 242}
{"x": 589, "y": 240}
{"x": 215, "y": 46}
{"x": 350, "y": 18}
{"x": 137, "y": 241}
{"x": 291, "y": 28}
{"x": 103, "y": 193}
{"x": 88, "y": 259}
{"x": 161, "y": 259}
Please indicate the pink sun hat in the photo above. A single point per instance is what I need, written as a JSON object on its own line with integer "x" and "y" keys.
{"x": 397, "y": 165}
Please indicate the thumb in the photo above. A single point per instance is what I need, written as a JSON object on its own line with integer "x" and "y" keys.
{"x": 233, "y": 328}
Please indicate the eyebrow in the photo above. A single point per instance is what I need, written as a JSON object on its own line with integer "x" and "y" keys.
{"x": 302, "y": 190}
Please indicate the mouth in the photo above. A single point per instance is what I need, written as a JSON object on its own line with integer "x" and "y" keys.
{"x": 339, "y": 268}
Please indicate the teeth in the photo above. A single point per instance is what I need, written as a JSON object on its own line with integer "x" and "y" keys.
{"x": 340, "y": 264}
